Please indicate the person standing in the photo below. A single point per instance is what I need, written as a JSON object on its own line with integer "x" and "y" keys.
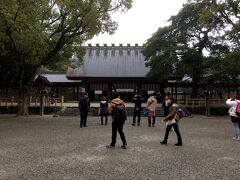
{"x": 84, "y": 106}
{"x": 232, "y": 103}
{"x": 137, "y": 100}
{"x": 118, "y": 113}
{"x": 103, "y": 110}
{"x": 151, "y": 106}
{"x": 166, "y": 105}
{"x": 172, "y": 122}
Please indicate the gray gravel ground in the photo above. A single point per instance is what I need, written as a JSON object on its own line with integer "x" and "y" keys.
{"x": 49, "y": 147}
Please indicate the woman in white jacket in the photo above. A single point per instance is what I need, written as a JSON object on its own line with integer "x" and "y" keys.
{"x": 232, "y": 103}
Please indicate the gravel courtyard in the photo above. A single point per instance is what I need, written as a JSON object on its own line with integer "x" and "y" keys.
{"x": 49, "y": 147}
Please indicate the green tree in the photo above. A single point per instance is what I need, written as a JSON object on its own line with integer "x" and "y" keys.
{"x": 47, "y": 32}
{"x": 197, "y": 37}
{"x": 226, "y": 57}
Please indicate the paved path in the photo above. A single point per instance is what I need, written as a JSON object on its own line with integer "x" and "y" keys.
{"x": 46, "y": 147}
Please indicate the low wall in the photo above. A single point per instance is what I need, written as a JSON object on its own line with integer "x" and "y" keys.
{"x": 31, "y": 110}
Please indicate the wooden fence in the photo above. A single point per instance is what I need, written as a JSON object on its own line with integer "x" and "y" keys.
{"x": 202, "y": 103}
{"x": 33, "y": 101}
{"x": 59, "y": 102}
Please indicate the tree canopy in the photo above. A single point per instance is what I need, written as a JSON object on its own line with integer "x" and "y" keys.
{"x": 202, "y": 39}
{"x": 47, "y": 32}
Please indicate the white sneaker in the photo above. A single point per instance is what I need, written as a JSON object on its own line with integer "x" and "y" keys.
{"x": 235, "y": 138}
{"x": 238, "y": 139}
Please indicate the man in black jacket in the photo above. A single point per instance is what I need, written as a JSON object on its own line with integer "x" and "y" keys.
{"x": 137, "y": 100}
{"x": 84, "y": 106}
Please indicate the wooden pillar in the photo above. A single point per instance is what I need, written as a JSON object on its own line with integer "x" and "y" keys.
{"x": 176, "y": 92}
{"x": 77, "y": 93}
{"x": 109, "y": 91}
{"x": 139, "y": 87}
{"x": 73, "y": 93}
{"x": 62, "y": 101}
{"x": 87, "y": 87}
{"x": 162, "y": 91}
{"x": 42, "y": 100}
{"x": 228, "y": 89}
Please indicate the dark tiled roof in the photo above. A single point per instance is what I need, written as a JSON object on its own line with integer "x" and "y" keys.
{"x": 111, "y": 61}
{"x": 56, "y": 77}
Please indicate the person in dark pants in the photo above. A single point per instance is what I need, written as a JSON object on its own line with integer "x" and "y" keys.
{"x": 137, "y": 100}
{"x": 84, "y": 106}
{"x": 103, "y": 110}
{"x": 118, "y": 120}
{"x": 172, "y": 122}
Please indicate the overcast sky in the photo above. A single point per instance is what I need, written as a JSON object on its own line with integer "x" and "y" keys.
{"x": 141, "y": 21}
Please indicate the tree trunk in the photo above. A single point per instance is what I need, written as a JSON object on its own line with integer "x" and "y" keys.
{"x": 22, "y": 105}
{"x": 207, "y": 105}
{"x": 22, "y": 101}
{"x": 194, "y": 90}
{"x": 42, "y": 100}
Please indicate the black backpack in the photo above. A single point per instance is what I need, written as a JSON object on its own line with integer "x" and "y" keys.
{"x": 119, "y": 113}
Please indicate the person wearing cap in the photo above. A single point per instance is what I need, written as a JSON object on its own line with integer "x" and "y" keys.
{"x": 172, "y": 122}
{"x": 117, "y": 124}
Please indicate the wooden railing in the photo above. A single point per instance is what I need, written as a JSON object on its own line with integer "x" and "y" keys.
{"x": 47, "y": 101}
{"x": 33, "y": 101}
{"x": 7, "y": 101}
{"x": 202, "y": 102}
{"x": 59, "y": 102}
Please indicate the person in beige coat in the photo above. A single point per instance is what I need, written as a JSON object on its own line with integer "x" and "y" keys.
{"x": 151, "y": 106}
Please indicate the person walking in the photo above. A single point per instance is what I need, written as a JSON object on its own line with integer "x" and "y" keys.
{"x": 103, "y": 110}
{"x": 84, "y": 106}
{"x": 151, "y": 106}
{"x": 232, "y": 103}
{"x": 137, "y": 100}
{"x": 118, "y": 113}
{"x": 166, "y": 105}
{"x": 172, "y": 122}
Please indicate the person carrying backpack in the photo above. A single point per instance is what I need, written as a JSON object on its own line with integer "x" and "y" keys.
{"x": 172, "y": 121}
{"x": 233, "y": 103}
{"x": 118, "y": 113}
